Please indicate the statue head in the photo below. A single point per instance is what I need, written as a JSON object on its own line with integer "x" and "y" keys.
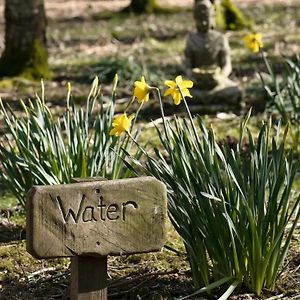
{"x": 204, "y": 15}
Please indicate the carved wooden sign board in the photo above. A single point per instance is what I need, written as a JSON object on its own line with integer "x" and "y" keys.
{"x": 90, "y": 220}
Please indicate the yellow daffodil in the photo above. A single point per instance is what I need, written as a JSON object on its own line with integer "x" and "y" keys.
{"x": 141, "y": 90}
{"x": 121, "y": 124}
{"x": 254, "y": 42}
{"x": 176, "y": 86}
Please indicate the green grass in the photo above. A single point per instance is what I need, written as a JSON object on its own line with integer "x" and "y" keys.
{"x": 7, "y": 200}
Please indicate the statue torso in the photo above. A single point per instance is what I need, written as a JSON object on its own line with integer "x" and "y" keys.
{"x": 204, "y": 49}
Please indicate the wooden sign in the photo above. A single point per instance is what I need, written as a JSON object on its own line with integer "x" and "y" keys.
{"x": 91, "y": 219}
{"x": 97, "y": 218}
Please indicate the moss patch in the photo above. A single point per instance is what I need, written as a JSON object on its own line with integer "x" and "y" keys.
{"x": 32, "y": 63}
{"x": 229, "y": 17}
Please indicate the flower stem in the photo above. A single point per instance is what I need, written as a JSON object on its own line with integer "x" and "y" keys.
{"x": 190, "y": 116}
{"x": 269, "y": 68}
{"x": 134, "y": 122}
{"x": 129, "y": 104}
{"x": 162, "y": 111}
{"x": 137, "y": 113}
{"x": 135, "y": 141}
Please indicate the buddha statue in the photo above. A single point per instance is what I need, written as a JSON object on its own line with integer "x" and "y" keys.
{"x": 207, "y": 54}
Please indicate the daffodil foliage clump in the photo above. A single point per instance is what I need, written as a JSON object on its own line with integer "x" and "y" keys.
{"x": 233, "y": 206}
{"x": 41, "y": 148}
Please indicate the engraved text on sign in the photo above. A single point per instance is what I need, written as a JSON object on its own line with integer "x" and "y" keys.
{"x": 96, "y": 218}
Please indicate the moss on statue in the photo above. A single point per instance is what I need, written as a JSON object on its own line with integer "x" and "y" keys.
{"x": 229, "y": 17}
{"x": 31, "y": 63}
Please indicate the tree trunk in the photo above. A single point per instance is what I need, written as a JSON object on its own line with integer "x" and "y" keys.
{"x": 229, "y": 17}
{"x": 142, "y": 6}
{"x": 25, "y": 52}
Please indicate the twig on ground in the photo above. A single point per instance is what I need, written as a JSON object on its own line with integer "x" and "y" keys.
{"x": 174, "y": 250}
{"x": 41, "y": 271}
{"x": 276, "y": 297}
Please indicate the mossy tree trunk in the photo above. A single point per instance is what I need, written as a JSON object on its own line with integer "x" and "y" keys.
{"x": 230, "y": 17}
{"x": 142, "y": 6}
{"x": 25, "y": 52}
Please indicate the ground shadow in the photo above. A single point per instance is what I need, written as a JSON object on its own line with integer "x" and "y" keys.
{"x": 142, "y": 286}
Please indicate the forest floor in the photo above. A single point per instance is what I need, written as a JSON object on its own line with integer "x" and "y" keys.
{"x": 89, "y": 38}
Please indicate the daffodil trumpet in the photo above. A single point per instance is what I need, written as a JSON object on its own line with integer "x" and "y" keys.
{"x": 141, "y": 90}
{"x": 178, "y": 90}
{"x": 174, "y": 88}
{"x": 254, "y": 42}
{"x": 121, "y": 124}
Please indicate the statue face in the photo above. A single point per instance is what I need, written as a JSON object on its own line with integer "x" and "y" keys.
{"x": 204, "y": 16}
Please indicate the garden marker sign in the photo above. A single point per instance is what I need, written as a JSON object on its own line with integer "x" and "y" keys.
{"x": 89, "y": 220}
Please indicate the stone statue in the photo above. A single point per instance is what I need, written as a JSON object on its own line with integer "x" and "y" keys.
{"x": 207, "y": 55}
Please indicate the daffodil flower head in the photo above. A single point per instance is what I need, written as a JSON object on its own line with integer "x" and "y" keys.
{"x": 141, "y": 90}
{"x": 121, "y": 124}
{"x": 174, "y": 88}
{"x": 254, "y": 42}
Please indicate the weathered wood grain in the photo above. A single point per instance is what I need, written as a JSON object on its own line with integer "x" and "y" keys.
{"x": 88, "y": 278}
{"x": 88, "y": 274}
{"x": 96, "y": 218}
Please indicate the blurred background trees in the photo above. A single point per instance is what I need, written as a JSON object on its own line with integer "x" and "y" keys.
{"x": 25, "y": 52}
{"x": 230, "y": 17}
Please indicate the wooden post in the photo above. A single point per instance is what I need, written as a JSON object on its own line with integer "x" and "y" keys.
{"x": 88, "y": 278}
{"x": 88, "y": 273}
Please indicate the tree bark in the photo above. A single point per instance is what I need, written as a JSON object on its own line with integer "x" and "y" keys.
{"x": 230, "y": 17}
{"x": 25, "y": 52}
